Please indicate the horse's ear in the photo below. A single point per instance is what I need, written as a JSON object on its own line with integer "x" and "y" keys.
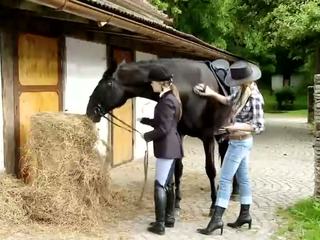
{"x": 130, "y": 73}
{"x": 112, "y": 68}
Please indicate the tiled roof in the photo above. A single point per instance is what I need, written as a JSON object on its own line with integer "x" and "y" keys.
{"x": 137, "y": 8}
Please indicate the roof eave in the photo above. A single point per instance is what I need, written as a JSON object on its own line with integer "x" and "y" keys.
{"x": 167, "y": 34}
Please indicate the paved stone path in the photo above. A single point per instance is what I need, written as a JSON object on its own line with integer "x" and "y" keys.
{"x": 281, "y": 172}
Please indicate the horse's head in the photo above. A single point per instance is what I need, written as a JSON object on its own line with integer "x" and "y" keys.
{"x": 115, "y": 87}
{"x": 107, "y": 95}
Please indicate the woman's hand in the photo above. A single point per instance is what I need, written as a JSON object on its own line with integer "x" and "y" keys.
{"x": 239, "y": 127}
{"x": 231, "y": 129}
{"x": 203, "y": 90}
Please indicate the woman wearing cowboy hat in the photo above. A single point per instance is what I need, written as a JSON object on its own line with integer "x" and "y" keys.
{"x": 248, "y": 118}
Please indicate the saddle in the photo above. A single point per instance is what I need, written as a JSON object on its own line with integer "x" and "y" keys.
{"x": 220, "y": 74}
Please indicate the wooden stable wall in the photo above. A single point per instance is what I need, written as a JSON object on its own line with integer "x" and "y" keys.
{"x": 37, "y": 87}
{"x": 1, "y": 116}
{"x": 122, "y": 140}
{"x": 7, "y": 47}
{"x": 143, "y": 108}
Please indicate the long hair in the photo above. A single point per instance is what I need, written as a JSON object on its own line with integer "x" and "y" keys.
{"x": 177, "y": 95}
{"x": 175, "y": 92}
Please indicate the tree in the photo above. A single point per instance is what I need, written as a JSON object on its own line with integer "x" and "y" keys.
{"x": 227, "y": 24}
{"x": 271, "y": 32}
{"x": 295, "y": 25}
{"x": 206, "y": 19}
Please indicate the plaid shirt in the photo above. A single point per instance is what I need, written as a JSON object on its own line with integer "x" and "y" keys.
{"x": 252, "y": 112}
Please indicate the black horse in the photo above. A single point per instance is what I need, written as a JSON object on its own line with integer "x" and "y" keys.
{"x": 202, "y": 117}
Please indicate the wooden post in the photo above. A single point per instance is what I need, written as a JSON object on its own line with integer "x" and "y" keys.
{"x": 317, "y": 135}
{"x": 310, "y": 104}
{"x": 7, "y": 58}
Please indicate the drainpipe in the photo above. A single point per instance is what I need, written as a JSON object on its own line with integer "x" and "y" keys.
{"x": 99, "y": 15}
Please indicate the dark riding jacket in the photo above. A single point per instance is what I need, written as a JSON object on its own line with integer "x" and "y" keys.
{"x": 165, "y": 137}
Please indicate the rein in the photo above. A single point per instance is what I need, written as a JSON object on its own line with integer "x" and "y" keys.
{"x": 131, "y": 129}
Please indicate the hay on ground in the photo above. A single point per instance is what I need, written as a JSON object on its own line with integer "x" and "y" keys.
{"x": 69, "y": 181}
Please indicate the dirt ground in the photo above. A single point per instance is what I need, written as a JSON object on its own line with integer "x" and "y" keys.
{"x": 281, "y": 173}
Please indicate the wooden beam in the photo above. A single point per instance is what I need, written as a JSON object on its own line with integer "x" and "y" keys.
{"x": 38, "y": 10}
{"x": 7, "y": 45}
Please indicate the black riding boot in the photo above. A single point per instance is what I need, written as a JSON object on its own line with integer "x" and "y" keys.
{"x": 160, "y": 202}
{"x": 170, "y": 208}
{"x": 169, "y": 221}
{"x": 215, "y": 222}
{"x": 244, "y": 217}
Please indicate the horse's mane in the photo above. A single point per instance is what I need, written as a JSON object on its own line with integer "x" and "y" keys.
{"x": 114, "y": 67}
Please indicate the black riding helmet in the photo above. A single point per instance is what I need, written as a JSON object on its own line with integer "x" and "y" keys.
{"x": 160, "y": 74}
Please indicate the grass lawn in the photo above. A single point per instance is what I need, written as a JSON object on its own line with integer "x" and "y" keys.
{"x": 286, "y": 114}
{"x": 301, "y": 221}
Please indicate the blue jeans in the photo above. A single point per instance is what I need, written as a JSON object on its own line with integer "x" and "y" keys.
{"x": 236, "y": 161}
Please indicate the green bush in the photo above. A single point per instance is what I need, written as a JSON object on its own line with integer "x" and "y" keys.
{"x": 285, "y": 98}
{"x": 270, "y": 104}
{"x": 301, "y": 221}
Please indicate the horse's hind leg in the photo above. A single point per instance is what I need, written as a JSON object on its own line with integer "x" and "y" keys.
{"x": 208, "y": 145}
{"x": 178, "y": 169}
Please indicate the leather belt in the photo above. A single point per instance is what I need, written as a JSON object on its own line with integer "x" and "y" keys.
{"x": 239, "y": 137}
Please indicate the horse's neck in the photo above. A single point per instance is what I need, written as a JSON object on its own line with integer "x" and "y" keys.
{"x": 132, "y": 92}
{"x": 149, "y": 95}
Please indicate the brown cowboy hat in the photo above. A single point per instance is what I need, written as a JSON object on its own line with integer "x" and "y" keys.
{"x": 241, "y": 72}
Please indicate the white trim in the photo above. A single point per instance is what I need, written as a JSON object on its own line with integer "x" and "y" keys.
{"x": 85, "y": 65}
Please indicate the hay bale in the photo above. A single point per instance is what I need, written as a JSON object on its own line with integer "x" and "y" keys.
{"x": 70, "y": 187}
{"x": 70, "y": 183}
{"x": 12, "y": 209}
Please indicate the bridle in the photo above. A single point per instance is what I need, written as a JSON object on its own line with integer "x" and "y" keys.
{"x": 99, "y": 110}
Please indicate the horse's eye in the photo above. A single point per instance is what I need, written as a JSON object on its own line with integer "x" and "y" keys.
{"x": 109, "y": 84}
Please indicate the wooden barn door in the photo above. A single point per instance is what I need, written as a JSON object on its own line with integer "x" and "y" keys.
{"x": 37, "y": 86}
{"x": 122, "y": 140}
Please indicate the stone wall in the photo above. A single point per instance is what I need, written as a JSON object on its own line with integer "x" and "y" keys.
{"x": 317, "y": 134}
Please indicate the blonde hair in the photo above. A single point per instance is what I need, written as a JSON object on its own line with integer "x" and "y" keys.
{"x": 175, "y": 92}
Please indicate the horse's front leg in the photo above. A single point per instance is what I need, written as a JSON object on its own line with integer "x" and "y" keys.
{"x": 178, "y": 169}
{"x": 208, "y": 145}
